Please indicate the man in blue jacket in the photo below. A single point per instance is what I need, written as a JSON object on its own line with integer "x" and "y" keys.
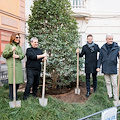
{"x": 108, "y": 58}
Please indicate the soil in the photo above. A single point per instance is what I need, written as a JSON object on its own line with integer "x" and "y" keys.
{"x": 66, "y": 94}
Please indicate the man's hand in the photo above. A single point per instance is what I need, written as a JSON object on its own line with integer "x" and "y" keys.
{"x": 42, "y": 56}
{"x": 45, "y": 55}
{"x": 97, "y": 69}
{"x": 77, "y": 50}
{"x": 45, "y": 58}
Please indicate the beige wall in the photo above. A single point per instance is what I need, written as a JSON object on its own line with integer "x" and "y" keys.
{"x": 10, "y": 6}
{"x": 12, "y": 19}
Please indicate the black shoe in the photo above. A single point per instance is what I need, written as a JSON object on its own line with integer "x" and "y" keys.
{"x": 95, "y": 91}
{"x": 35, "y": 96}
{"x": 88, "y": 94}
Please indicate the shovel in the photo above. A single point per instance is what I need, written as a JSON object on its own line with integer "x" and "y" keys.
{"x": 77, "y": 90}
{"x": 14, "y": 103}
{"x": 43, "y": 100}
{"x": 118, "y": 101}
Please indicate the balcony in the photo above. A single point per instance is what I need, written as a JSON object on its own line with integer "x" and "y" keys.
{"x": 79, "y": 8}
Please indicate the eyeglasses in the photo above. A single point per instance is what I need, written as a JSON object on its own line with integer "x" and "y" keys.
{"x": 17, "y": 37}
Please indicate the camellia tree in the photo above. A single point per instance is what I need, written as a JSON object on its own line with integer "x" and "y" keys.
{"x": 51, "y": 21}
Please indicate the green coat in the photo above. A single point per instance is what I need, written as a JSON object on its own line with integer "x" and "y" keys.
{"x": 8, "y": 54}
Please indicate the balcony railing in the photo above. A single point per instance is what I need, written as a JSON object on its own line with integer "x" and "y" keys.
{"x": 78, "y": 3}
{"x": 79, "y": 8}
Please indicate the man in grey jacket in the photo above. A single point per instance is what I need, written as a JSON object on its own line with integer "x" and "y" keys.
{"x": 108, "y": 58}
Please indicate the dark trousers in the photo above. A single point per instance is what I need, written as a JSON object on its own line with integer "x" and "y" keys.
{"x": 94, "y": 76}
{"x": 33, "y": 78}
{"x": 11, "y": 91}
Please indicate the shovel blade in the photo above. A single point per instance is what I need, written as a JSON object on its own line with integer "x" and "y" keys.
{"x": 77, "y": 91}
{"x": 43, "y": 101}
{"x": 15, "y": 104}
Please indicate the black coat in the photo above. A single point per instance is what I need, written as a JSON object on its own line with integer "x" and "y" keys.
{"x": 90, "y": 58}
{"x": 108, "y": 60}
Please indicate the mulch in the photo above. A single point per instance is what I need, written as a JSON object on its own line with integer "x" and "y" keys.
{"x": 66, "y": 94}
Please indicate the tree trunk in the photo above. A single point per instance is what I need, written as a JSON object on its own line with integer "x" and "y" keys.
{"x": 54, "y": 77}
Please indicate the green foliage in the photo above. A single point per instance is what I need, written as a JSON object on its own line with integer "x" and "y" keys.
{"x": 55, "y": 110}
{"x": 6, "y": 86}
{"x": 52, "y": 23}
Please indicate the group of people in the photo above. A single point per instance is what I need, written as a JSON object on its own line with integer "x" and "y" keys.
{"x": 107, "y": 57}
{"x": 33, "y": 65}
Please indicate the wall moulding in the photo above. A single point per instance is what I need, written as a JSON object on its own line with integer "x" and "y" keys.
{"x": 11, "y": 15}
{"x": 10, "y": 30}
{"x": 9, "y": 22}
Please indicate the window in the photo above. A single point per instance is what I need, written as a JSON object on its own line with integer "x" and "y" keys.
{"x": 78, "y": 3}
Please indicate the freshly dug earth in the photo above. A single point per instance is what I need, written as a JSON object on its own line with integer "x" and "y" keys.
{"x": 66, "y": 94}
{"x": 71, "y": 97}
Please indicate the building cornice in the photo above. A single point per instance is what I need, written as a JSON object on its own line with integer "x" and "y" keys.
{"x": 11, "y": 30}
{"x": 12, "y": 15}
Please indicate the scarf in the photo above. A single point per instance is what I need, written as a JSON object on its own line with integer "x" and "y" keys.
{"x": 109, "y": 47}
{"x": 91, "y": 46}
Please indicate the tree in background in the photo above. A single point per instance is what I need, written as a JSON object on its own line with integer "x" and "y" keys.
{"x": 52, "y": 23}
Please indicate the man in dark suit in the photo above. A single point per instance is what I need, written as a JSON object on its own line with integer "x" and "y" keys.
{"x": 90, "y": 51}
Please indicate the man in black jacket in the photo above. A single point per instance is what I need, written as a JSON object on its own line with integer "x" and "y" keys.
{"x": 33, "y": 67}
{"x": 108, "y": 58}
{"x": 90, "y": 51}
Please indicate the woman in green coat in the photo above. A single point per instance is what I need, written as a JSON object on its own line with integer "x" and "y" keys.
{"x": 14, "y": 45}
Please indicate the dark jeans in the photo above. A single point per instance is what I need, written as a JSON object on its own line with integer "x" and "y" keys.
{"x": 94, "y": 76}
{"x": 11, "y": 91}
{"x": 33, "y": 78}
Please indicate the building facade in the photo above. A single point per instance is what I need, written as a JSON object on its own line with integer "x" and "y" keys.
{"x": 12, "y": 19}
{"x": 97, "y": 17}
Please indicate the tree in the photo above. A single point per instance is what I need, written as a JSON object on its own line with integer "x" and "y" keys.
{"x": 52, "y": 23}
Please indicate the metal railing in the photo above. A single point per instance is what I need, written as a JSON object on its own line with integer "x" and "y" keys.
{"x": 3, "y": 75}
{"x": 78, "y": 3}
{"x": 97, "y": 115}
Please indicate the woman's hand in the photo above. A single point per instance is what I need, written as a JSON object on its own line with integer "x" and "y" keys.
{"x": 13, "y": 48}
{"x": 15, "y": 56}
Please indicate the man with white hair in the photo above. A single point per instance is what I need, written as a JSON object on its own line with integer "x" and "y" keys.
{"x": 108, "y": 58}
{"x": 33, "y": 67}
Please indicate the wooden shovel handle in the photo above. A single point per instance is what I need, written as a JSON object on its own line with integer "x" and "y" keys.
{"x": 14, "y": 87}
{"x": 77, "y": 70}
{"x": 43, "y": 89}
{"x": 119, "y": 75}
